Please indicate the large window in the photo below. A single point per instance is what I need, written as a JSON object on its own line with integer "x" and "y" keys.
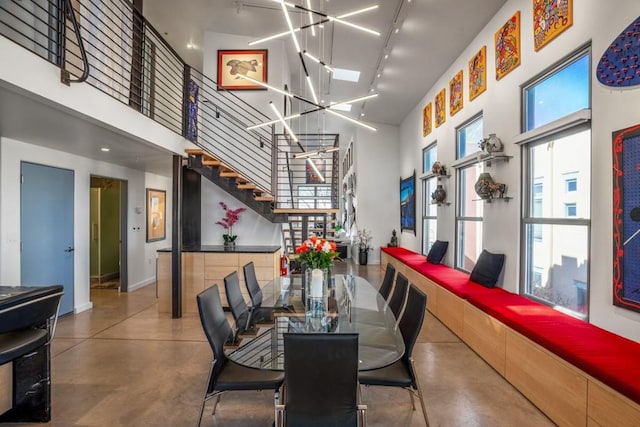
{"x": 556, "y": 219}
{"x": 469, "y": 209}
{"x": 429, "y": 210}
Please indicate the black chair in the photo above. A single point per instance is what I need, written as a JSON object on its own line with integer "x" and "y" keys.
{"x": 387, "y": 282}
{"x": 402, "y": 373}
{"x": 259, "y": 314}
{"x": 321, "y": 387}
{"x": 399, "y": 295}
{"x": 242, "y": 313}
{"x": 225, "y": 375}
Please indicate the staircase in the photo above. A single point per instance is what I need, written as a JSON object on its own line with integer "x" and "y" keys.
{"x": 302, "y": 225}
{"x": 234, "y": 183}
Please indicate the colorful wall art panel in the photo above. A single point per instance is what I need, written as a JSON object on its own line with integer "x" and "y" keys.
{"x": 441, "y": 107}
{"x": 550, "y": 19}
{"x": 426, "y": 120}
{"x": 507, "y": 44}
{"x": 619, "y": 65}
{"x": 456, "y": 98}
{"x": 478, "y": 73}
{"x": 626, "y": 218}
{"x": 408, "y": 203}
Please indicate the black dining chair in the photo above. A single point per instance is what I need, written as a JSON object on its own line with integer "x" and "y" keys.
{"x": 399, "y": 295}
{"x": 259, "y": 314}
{"x": 403, "y": 373}
{"x": 225, "y": 375}
{"x": 242, "y": 313}
{"x": 387, "y": 282}
{"x": 321, "y": 387}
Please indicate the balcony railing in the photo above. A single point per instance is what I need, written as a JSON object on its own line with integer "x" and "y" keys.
{"x": 126, "y": 58}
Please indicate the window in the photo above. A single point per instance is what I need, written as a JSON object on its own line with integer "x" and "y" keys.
{"x": 468, "y": 137}
{"x": 564, "y": 90}
{"x": 571, "y": 183}
{"x": 556, "y": 249}
{"x": 469, "y": 210}
{"x": 429, "y": 210}
{"x": 314, "y": 197}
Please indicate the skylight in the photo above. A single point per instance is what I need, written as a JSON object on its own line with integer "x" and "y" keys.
{"x": 342, "y": 107}
{"x": 346, "y": 75}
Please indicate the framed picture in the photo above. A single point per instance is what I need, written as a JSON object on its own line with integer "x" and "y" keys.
{"x": 426, "y": 120}
{"x": 408, "y": 203}
{"x": 507, "y": 44}
{"x": 618, "y": 66}
{"x": 156, "y": 215}
{"x": 626, "y": 218}
{"x": 456, "y": 98}
{"x": 550, "y": 18}
{"x": 478, "y": 73}
{"x": 250, "y": 63}
{"x": 441, "y": 107}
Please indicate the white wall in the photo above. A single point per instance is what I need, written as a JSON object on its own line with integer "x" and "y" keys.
{"x": 377, "y": 185}
{"x": 141, "y": 255}
{"x": 595, "y": 21}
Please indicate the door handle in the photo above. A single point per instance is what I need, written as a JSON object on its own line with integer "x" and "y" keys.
{"x": 69, "y": 249}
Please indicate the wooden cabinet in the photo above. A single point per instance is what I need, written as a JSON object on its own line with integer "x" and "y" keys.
{"x": 201, "y": 270}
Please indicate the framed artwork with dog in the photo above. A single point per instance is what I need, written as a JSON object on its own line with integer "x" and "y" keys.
{"x": 242, "y": 69}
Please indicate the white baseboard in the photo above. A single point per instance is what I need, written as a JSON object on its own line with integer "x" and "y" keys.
{"x": 141, "y": 284}
{"x": 83, "y": 307}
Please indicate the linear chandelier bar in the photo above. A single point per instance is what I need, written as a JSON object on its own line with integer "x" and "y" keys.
{"x": 317, "y": 61}
{"x": 313, "y": 29}
{"x": 314, "y": 153}
{"x": 281, "y": 119}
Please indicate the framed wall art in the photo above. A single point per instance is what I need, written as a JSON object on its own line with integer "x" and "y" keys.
{"x": 618, "y": 66}
{"x": 441, "y": 107}
{"x": 478, "y": 73}
{"x": 550, "y": 18}
{"x": 426, "y": 120}
{"x": 456, "y": 95}
{"x": 156, "y": 215}
{"x": 626, "y": 218}
{"x": 507, "y": 45}
{"x": 408, "y": 203}
{"x": 250, "y": 63}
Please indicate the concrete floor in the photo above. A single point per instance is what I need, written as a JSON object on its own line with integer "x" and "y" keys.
{"x": 122, "y": 364}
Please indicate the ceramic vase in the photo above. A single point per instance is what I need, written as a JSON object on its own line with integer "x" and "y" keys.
{"x": 439, "y": 195}
{"x": 484, "y": 185}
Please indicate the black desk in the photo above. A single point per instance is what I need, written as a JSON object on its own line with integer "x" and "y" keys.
{"x": 26, "y": 311}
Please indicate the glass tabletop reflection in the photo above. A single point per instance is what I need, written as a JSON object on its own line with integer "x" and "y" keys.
{"x": 351, "y": 304}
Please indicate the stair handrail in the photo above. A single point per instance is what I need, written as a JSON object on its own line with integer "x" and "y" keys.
{"x": 65, "y": 76}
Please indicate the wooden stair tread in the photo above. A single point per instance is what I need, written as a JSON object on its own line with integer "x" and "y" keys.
{"x": 305, "y": 211}
{"x": 267, "y": 198}
{"x": 211, "y": 163}
{"x": 247, "y": 186}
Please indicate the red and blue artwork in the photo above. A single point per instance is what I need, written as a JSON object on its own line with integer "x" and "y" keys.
{"x": 620, "y": 63}
{"x": 626, "y": 218}
{"x": 408, "y": 203}
{"x": 192, "y": 125}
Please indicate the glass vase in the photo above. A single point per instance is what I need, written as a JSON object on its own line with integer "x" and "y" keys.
{"x": 316, "y": 289}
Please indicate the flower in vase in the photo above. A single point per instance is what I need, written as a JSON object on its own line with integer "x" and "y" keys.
{"x": 317, "y": 253}
{"x": 231, "y": 216}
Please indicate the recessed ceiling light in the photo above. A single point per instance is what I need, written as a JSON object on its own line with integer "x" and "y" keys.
{"x": 361, "y": 114}
{"x": 346, "y": 75}
{"x": 397, "y": 30}
{"x": 378, "y": 75}
{"x": 105, "y": 149}
{"x": 386, "y": 56}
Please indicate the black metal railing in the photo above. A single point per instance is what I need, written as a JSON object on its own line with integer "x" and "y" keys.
{"x": 129, "y": 60}
{"x": 307, "y": 182}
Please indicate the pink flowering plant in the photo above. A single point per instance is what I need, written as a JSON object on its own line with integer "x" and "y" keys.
{"x": 317, "y": 253}
{"x": 231, "y": 216}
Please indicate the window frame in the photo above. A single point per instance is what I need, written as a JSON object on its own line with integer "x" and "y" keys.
{"x": 571, "y": 124}
{"x": 428, "y": 178}
{"x": 460, "y": 218}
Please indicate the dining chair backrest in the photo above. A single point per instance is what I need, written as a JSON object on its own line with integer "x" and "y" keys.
{"x": 411, "y": 323}
{"x": 216, "y": 328}
{"x": 399, "y": 295}
{"x": 387, "y": 282}
{"x": 237, "y": 304}
{"x": 252, "y": 284}
{"x": 321, "y": 372}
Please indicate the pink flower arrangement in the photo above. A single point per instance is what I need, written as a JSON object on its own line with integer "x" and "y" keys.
{"x": 231, "y": 216}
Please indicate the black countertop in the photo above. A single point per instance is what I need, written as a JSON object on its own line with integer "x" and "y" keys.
{"x": 239, "y": 249}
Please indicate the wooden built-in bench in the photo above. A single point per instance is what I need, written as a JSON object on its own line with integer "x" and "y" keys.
{"x": 576, "y": 373}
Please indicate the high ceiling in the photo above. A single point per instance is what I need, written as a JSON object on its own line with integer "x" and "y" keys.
{"x": 432, "y": 33}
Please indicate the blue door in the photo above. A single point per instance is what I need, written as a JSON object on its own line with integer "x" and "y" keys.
{"x": 46, "y": 229}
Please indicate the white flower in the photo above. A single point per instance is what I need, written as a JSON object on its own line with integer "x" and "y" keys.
{"x": 326, "y": 247}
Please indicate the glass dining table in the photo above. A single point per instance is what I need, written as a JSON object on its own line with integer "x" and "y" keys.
{"x": 351, "y": 305}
